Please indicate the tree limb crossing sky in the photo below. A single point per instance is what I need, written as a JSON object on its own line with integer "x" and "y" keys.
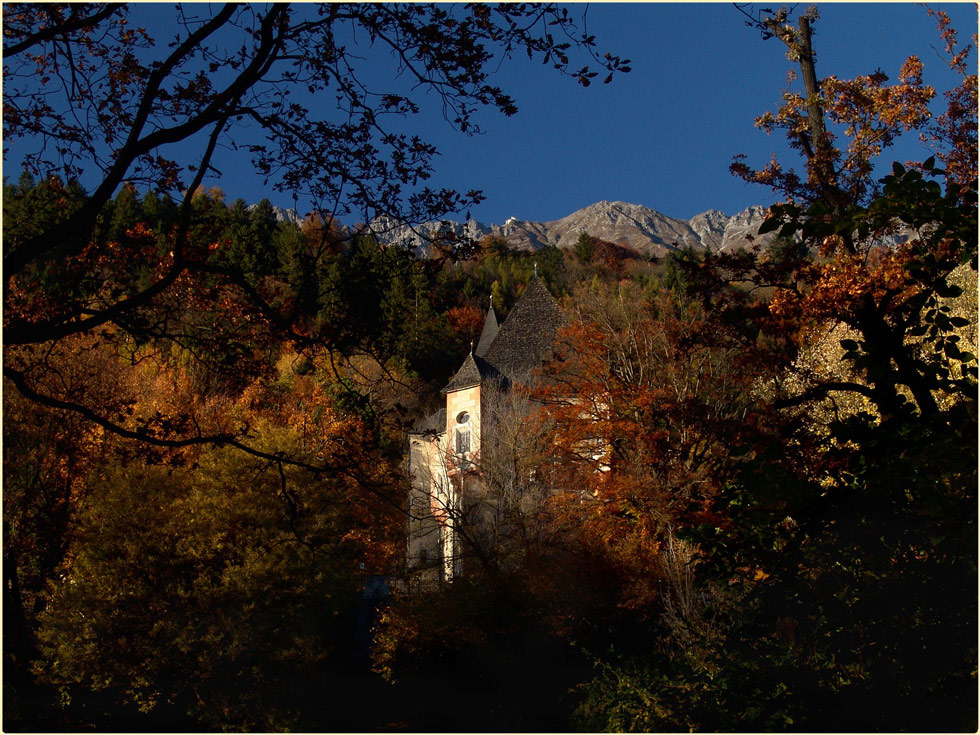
{"x": 663, "y": 135}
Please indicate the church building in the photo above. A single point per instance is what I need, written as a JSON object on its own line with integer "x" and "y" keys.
{"x": 444, "y": 448}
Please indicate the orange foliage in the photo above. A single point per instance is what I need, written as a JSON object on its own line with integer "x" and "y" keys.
{"x": 645, "y": 420}
{"x": 869, "y": 114}
{"x": 840, "y": 287}
{"x": 954, "y": 133}
{"x": 466, "y": 322}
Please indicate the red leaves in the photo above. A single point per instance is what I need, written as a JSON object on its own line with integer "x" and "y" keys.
{"x": 646, "y": 416}
{"x": 465, "y": 322}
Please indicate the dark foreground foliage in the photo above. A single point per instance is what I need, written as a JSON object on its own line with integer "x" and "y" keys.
{"x": 754, "y": 473}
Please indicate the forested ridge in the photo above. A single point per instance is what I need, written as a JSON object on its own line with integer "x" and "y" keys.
{"x": 742, "y": 497}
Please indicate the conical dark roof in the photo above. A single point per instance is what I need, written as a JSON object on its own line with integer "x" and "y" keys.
{"x": 527, "y": 337}
{"x": 519, "y": 346}
{"x": 490, "y": 329}
{"x": 473, "y": 372}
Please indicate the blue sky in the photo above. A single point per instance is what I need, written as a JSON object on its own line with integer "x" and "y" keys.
{"x": 664, "y": 134}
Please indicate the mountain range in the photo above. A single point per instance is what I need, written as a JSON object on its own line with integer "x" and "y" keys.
{"x": 633, "y": 226}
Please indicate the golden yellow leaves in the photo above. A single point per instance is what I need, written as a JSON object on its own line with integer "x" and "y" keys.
{"x": 872, "y": 114}
{"x": 867, "y": 112}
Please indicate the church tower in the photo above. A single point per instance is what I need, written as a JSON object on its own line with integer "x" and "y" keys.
{"x": 444, "y": 448}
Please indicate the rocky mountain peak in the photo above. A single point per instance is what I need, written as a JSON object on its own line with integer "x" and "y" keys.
{"x": 281, "y": 213}
{"x": 710, "y": 227}
{"x": 634, "y": 226}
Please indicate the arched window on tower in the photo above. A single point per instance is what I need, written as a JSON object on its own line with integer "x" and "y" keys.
{"x": 463, "y": 433}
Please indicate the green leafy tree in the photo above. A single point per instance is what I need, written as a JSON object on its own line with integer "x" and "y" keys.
{"x": 124, "y": 212}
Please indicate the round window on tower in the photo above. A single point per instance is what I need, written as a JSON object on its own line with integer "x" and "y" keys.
{"x": 462, "y": 418}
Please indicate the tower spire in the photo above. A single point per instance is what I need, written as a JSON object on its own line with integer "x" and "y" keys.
{"x": 489, "y": 332}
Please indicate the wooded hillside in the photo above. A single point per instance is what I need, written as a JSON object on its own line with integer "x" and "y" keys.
{"x": 752, "y": 474}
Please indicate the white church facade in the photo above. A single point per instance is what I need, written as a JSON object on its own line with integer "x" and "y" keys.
{"x": 444, "y": 449}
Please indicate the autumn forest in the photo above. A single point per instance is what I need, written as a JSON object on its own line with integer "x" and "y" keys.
{"x": 742, "y": 490}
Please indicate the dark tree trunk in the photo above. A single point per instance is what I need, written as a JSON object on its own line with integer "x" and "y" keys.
{"x": 18, "y": 641}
